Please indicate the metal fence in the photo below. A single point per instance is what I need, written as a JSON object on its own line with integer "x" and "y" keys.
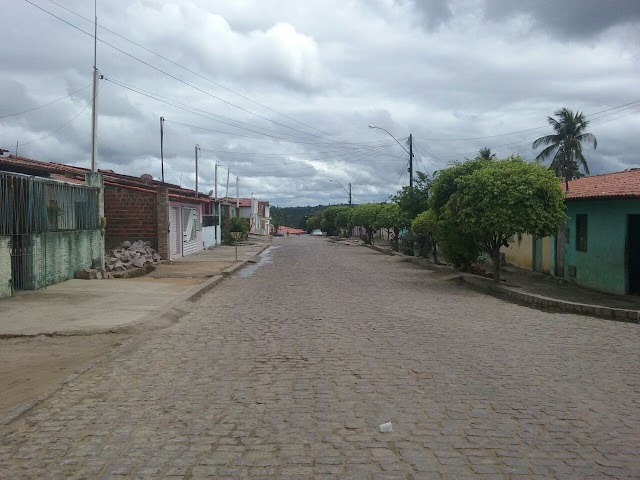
{"x": 32, "y": 208}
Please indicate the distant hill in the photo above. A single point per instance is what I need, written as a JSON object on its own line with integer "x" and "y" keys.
{"x": 296, "y": 217}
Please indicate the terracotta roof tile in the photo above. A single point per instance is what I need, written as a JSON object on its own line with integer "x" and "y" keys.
{"x": 618, "y": 184}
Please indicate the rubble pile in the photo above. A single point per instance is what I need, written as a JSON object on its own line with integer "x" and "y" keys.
{"x": 131, "y": 255}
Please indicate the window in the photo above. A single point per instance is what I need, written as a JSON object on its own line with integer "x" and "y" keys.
{"x": 581, "y": 232}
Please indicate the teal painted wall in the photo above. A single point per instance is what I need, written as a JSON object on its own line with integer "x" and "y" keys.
{"x": 5, "y": 267}
{"x": 57, "y": 255}
{"x": 603, "y": 266}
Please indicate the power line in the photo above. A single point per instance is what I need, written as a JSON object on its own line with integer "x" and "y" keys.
{"x": 192, "y": 71}
{"x": 402, "y": 172}
{"x": 209, "y": 115}
{"x": 623, "y": 106}
{"x": 46, "y": 104}
{"x": 61, "y": 126}
{"x": 354, "y": 159}
{"x": 181, "y": 80}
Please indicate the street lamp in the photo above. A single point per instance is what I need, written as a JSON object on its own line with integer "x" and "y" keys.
{"x": 348, "y": 192}
{"x": 410, "y": 151}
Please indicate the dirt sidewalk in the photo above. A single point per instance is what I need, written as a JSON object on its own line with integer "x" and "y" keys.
{"x": 30, "y": 366}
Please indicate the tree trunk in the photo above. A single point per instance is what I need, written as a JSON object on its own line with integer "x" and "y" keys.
{"x": 396, "y": 239}
{"x": 435, "y": 249}
{"x": 495, "y": 258}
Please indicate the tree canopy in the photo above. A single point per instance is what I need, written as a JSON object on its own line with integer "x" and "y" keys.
{"x": 487, "y": 201}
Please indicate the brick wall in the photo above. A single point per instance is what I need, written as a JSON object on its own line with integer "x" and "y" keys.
{"x": 131, "y": 215}
{"x": 5, "y": 267}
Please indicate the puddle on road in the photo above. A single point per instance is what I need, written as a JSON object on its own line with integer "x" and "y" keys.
{"x": 265, "y": 258}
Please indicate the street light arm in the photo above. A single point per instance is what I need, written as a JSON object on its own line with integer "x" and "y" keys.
{"x": 342, "y": 186}
{"x": 380, "y": 128}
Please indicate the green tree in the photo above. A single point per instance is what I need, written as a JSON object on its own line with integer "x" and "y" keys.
{"x": 277, "y": 218}
{"x": 413, "y": 201}
{"x": 330, "y": 217}
{"x": 458, "y": 247}
{"x": 365, "y": 215}
{"x": 392, "y": 218}
{"x": 485, "y": 154}
{"x": 565, "y": 145}
{"x": 502, "y": 198}
{"x": 315, "y": 221}
{"x": 343, "y": 220}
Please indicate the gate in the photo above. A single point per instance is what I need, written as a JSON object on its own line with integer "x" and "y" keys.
{"x": 189, "y": 230}
{"x": 33, "y": 209}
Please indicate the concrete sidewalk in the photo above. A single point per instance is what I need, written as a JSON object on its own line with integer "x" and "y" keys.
{"x": 81, "y": 307}
{"x": 543, "y": 290}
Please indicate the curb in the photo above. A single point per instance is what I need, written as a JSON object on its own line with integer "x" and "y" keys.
{"x": 488, "y": 286}
{"x": 168, "y": 310}
{"x": 609, "y": 313}
{"x": 380, "y": 249}
{"x": 164, "y": 315}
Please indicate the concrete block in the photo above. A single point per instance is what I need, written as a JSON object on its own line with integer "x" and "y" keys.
{"x": 86, "y": 274}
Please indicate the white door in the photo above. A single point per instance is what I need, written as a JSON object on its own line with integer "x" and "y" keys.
{"x": 189, "y": 230}
{"x": 174, "y": 231}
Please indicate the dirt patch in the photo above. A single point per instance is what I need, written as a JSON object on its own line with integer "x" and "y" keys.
{"x": 30, "y": 366}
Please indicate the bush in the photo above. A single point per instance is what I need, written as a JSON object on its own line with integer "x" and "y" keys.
{"x": 235, "y": 225}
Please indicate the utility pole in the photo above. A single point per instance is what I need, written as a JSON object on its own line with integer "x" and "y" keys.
{"x": 238, "y": 197}
{"x": 162, "y": 146}
{"x": 350, "y": 194}
{"x": 215, "y": 196}
{"x": 411, "y": 161}
{"x": 197, "y": 148}
{"x": 215, "y": 186}
{"x": 226, "y": 193}
{"x": 94, "y": 104}
{"x": 16, "y": 148}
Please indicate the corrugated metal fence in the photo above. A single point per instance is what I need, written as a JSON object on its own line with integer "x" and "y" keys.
{"x": 32, "y": 208}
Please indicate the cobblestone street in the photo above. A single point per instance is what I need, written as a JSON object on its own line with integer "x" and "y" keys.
{"x": 288, "y": 371}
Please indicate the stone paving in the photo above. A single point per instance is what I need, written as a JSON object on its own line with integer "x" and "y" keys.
{"x": 289, "y": 372}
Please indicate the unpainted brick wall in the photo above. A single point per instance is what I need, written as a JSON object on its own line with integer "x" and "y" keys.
{"x": 131, "y": 215}
{"x": 5, "y": 267}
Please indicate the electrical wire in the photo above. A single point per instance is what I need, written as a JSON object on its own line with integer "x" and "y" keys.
{"x": 633, "y": 104}
{"x": 181, "y": 80}
{"x": 192, "y": 71}
{"x": 354, "y": 159}
{"x": 209, "y": 115}
{"x": 46, "y": 104}
{"x": 61, "y": 126}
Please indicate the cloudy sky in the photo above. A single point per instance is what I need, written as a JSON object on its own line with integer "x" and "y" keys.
{"x": 281, "y": 92}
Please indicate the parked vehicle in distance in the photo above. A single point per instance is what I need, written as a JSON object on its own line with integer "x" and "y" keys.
{"x": 317, "y": 233}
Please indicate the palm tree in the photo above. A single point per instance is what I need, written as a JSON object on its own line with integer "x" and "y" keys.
{"x": 566, "y": 144}
{"x": 485, "y": 154}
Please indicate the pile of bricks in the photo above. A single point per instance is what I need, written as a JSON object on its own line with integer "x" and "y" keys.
{"x": 131, "y": 255}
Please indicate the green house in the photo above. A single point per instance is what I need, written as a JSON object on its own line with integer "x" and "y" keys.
{"x": 600, "y": 246}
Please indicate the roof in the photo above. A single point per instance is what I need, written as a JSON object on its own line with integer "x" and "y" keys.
{"x": 291, "y": 230}
{"x": 609, "y": 185}
{"x": 73, "y": 174}
{"x": 244, "y": 202}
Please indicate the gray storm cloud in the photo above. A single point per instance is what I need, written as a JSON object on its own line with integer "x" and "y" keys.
{"x": 308, "y": 78}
